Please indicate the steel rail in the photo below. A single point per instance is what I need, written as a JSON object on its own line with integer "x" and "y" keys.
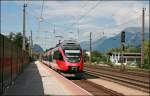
{"x": 124, "y": 81}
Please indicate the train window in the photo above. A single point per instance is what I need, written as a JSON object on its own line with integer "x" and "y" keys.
{"x": 71, "y": 47}
{"x": 73, "y": 55}
{"x": 58, "y": 55}
{"x": 50, "y": 58}
{"x": 55, "y": 54}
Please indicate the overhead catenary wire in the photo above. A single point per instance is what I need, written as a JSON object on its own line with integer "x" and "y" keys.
{"x": 40, "y": 17}
{"x": 82, "y": 7}
{"x": 105, "y": 27}
{"x": 90, "y": 10}
{"x": 52, "y": 24}
{"x": 81, "y": 17}
{"x": 84, "y": 15}
{"x": 85, "y": 5}
{"x": 126, "y": 23}
{"x": 120, "y": 25}
{"x": 42, "y": 10}
{"x": 131, "y": 20}
{"x": 55, "y": 24}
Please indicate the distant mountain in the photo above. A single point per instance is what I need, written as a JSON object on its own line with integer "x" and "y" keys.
{"x": 132, "y": 35}
{"x": 86, "y": 44}
{"x": 37, "y": 48}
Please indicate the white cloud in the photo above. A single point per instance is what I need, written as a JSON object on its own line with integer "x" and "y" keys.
{"x": 64, "y": 14}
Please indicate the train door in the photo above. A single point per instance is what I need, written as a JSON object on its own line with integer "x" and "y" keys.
{"x": 58, "y": 58}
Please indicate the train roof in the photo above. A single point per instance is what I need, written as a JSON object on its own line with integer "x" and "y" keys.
{"x": 69, "y": 44}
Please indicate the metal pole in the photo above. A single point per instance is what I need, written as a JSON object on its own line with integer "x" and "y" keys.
{"x": 31, "y": 43}
{"x": 11, "y": 63}
{"x": 24, "y": 27}
{"x": 78, "y": 33}
{"x": 3, "y": 64}
{"x": 122, "y": 57}
{"x": 142, "y": 38}
{"x": 59, "y": 41}
{"x": 122, "y": 67}
{"x": 90, "y": 47}
{"x": 54, "y": 33}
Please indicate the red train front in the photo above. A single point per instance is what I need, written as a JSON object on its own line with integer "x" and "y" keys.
{"x": 66, "y": 58}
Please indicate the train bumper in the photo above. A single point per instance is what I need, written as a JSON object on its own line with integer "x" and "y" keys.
{"x": 77, "y": 74}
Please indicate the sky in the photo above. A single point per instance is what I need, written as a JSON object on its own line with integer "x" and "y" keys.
{"x": 71, "y": 19}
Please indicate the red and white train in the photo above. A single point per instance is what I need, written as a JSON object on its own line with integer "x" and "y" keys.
{"x": 66, "y": 58}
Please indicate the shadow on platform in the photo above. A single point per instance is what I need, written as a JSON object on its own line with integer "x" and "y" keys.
{"x": 28, "y": 83}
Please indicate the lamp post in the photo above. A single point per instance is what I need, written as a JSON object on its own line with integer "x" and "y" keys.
{"x": 24, "y": 27}
{"x": 122, "y": 68}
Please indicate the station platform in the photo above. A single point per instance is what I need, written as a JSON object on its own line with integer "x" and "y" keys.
{"x": 38, "y": 79}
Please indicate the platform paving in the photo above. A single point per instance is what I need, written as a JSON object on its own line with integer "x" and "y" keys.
{"x": 38, "y": 79}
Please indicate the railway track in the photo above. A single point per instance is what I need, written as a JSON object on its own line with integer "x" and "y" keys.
{"x": 141, "y": 73}
{"x": 136, "y": 81}
{"x": 95, "y": 89}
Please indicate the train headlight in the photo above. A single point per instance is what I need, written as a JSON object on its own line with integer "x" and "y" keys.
{"x": 66, "y": 59}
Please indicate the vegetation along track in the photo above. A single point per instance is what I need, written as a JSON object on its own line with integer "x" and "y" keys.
{"x": 136, "y": 81}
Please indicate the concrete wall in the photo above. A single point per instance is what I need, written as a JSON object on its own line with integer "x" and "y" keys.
{"x": 12, "y": 62}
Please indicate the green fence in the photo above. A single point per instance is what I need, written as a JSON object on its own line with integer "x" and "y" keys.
{"x": 12, "y": 62}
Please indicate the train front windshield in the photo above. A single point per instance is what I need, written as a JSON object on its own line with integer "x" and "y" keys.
{"x": 73, "y": 55}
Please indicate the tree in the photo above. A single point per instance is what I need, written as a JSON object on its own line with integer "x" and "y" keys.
{"x": 85, "y": 56}
{"x": 96, "y": 56}
{"x": 11, "y": 36}
{"x": 132, "y": 49}
{"x": 114, "y": 50}
{"x": 17, "y": 39}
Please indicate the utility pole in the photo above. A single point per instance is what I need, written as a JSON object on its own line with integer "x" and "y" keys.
{"x": 90, "y": 48}
{"x": 59, "y": 42}
{"x": 24, "y": 27}
{"x": 54, "y": 33}
{"x": 31, "y": 46}
{"x": 142, "y": 37}
{"x": 78, "y": 33}
{"x": 54, "y": 30}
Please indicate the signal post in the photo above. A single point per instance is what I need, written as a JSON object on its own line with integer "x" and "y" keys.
{"x": 122, "y": 67}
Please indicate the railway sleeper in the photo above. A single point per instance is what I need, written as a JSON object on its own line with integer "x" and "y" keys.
{"x": 121, "y": 81}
